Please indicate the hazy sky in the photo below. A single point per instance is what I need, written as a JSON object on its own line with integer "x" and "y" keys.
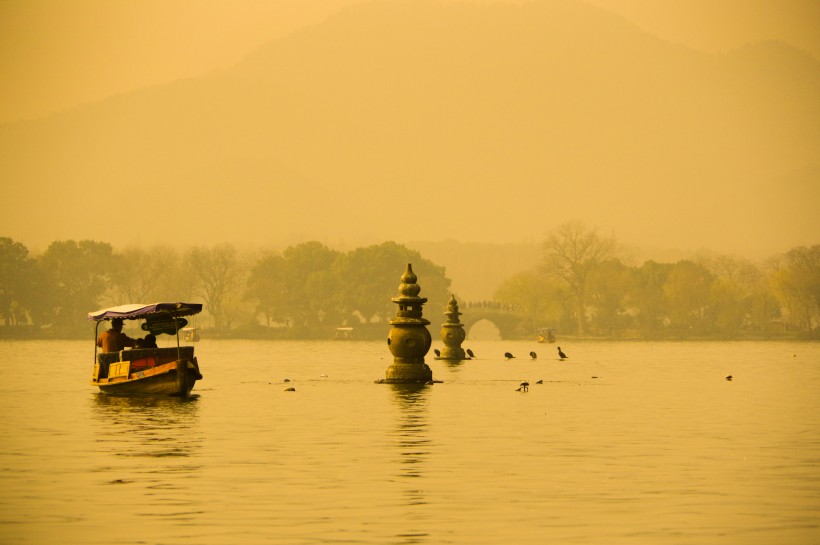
{"x": 56, "y": 54}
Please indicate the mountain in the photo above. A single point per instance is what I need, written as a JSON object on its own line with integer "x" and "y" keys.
{"x": 427, "y": 120}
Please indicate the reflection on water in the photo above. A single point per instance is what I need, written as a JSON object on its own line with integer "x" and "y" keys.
{"x": 174, "y": 409}
{"x": 147, "y": 426}
{"x": 415, "y": 448}
{"x": 454, "y": 365}
{"x": 412, "y": 435}
{"x": 147, "y": 444}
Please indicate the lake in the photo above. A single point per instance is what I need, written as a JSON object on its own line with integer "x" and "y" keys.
{"x": 623, "y": 443}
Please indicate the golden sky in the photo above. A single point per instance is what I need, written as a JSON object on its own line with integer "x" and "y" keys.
{"x": 57, "y": 54}
{"x": 665, "y": 146}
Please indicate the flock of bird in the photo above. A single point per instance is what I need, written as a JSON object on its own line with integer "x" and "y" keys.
{"x": 533, "y": 355}
{"x": 523, "y": 387}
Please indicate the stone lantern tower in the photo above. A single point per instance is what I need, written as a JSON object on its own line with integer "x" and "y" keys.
{"x": 409, "y": 339}
{"x": 452, "y": 333}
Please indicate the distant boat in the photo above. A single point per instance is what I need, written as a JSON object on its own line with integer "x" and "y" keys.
{"x": 344, "y": 333}
{"x": 170, "y": 371}
{"x": 546, "y": 335}
{"x": 190, "y": 334}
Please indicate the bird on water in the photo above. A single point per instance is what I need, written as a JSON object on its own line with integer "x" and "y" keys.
{"x": 508, "y": 355}
{"x": 561, "y": 354}
{"x": 533, "y": 355}
{"x": 436, "y": 351}
{"x": 470, "y": 353}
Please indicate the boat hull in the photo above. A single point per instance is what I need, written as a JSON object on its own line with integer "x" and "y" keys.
{"x": 176, "y": 378}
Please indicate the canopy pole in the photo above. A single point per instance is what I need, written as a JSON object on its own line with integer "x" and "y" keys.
{"x": 96, "y": 331}
{"x": 176, "y": 328}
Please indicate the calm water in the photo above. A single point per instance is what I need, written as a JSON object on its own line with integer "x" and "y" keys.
{"x": 659, "y": 449}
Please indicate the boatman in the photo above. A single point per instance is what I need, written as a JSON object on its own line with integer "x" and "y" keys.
{"x": 114, "y": 339}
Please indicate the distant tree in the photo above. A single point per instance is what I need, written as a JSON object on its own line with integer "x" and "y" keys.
{"x": 217, "y": 273}
{"x": 740, "y": 297}
{"x": 688, "y": 293}
{"x": 267, "y": 288}
{"x": 646, "y": 299}
{"x": 309, "y": 290}
{"x": 77, "y": 275}
{"x": 133, "y": 276}
{"x": 537, "y": 296}
{"x": 369, "y": 277}
{"x": 313, "y": 288}
{"x": 572, "y": 253}
{"x": 796, "y": 282}
{"x": 609, "y": 285}
{"x": 149, "y": 275}
{"x": 16, "y": 268}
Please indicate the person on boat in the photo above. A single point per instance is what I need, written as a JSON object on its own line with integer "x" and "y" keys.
{"x": 114, "y": 339}
{"x": 149, "y": 341}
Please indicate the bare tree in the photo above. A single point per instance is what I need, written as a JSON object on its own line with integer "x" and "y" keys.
{"x": 572, "y": 252}
{"x": 132, "y": 277}
{"x": 538, "y": 297}
{"x": 218, "y": 273}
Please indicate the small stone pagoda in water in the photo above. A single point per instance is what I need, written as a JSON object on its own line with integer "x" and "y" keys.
{"x": 452, "y": 333}
{"x": 409, "y": 339}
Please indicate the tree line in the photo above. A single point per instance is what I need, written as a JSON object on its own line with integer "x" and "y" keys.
{"x": 582, "y": 287}
{"x": 306, "y": 291}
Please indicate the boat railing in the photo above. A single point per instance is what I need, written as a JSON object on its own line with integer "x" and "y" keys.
{"x": 171, "y": 353}
{"x": 165, "y": 354}
{"x": 143, "y": 358}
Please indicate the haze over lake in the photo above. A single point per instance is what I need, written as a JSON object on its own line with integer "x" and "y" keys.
{"x": 482, "y": 122}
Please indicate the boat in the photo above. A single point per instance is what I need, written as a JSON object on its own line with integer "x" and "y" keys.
{"x": 190, "y": 334}
{"x": 344, "y": 333}
{"x": 546, "y": 335}
{"x": 165, "y": 371}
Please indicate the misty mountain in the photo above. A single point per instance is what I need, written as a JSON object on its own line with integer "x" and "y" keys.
{"x": 425, "y": 121}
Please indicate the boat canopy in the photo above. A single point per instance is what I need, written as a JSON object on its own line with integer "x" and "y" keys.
{"x": 138, "y": 310}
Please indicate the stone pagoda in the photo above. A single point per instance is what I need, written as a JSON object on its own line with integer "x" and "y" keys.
{"x": 409, "y": 339}
{"x": 452, "y": 333}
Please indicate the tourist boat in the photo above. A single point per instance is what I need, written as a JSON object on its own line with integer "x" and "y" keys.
{"x": 167, "y": 371}
{"x": 190, "y": 334}
{"x": 344, "y": 333}
{"x": 546, "y": 335}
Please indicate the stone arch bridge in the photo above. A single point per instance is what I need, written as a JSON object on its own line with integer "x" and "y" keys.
{"x": 511, "y": 324}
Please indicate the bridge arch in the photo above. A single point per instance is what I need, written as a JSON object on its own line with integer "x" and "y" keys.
{"x": 510, "y": 325}
{"x": 485, "y": 330}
